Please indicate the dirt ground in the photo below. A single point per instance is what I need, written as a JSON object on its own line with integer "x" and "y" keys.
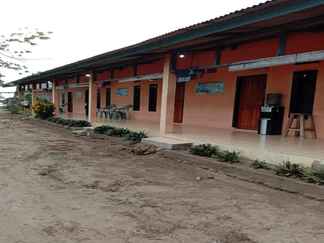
{"x": 55, "y": 187}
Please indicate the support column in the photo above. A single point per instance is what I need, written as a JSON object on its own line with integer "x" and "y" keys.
{"x": 55, "y": 98}
{"x": 92, "y": 111}
{"x": 33, "y": 91}
{"x": 168, "y": 97}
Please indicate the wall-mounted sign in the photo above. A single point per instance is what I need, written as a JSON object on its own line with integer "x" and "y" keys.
{"x": 185, "y": 75}
{"x": 122, "y": 91}
{"x": 210, "y": 88}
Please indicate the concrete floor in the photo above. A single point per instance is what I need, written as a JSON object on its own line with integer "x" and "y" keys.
{"x": 273, "y": 149}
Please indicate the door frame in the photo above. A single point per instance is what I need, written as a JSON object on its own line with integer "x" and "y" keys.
{"x": 183, "y": 84}
{"x": 292, "y": 88}
{"x": 236, "y": 108}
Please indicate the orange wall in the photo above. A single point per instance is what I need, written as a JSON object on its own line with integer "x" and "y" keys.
{"x": 143, "y": 114}
{"x": 304, "y": 42}
{"x": 210, "y": 110}
{"x": 217, "y": 110}
{"x": 250, "y": 51}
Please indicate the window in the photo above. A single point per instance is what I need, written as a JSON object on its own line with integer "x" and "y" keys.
{"x": 70, "y": 102}
{"x": 153, "y": 97}
{"x": 98, "y": 99}
{"x": 108, "y": 97}
{"x": 137, "y": 98}
{"x": 63, "y": 99}
{"x": 303, "y": 92}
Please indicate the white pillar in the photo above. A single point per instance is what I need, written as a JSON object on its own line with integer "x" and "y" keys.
{"x": 92, "y": 113}
{"x": 54, "y": 98}
{"x": 168, "y": 97}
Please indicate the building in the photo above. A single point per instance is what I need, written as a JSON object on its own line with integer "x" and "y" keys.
{"x": 207, "y": 82}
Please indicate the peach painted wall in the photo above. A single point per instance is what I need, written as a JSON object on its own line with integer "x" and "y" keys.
{"x": 78, "y": 99}
{"x": 143, "y": 114}
{"x": 217, "y": 110}
{"x": 210, "y": 110}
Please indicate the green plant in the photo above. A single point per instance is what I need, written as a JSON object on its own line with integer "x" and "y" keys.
{"x": 103, "y": 129}
{"x": 28, "y": 97}
{"x": 257, "y": 164}
{"x": 205, "y": 150}
{"x": 13, "y": 105}
{"x": 14, "y": 108}
{"x": 136, "y": 136}
{"x": 43, "y": 109}
{"x": 290, "y": 170}
{"x": 228, "y": 156}
{"x": 69, "y": 122}
{"x": 314, "y": 176}
{"x": 118, "y": 132}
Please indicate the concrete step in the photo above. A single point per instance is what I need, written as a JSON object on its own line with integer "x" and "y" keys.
{"x": 168, "y": 143}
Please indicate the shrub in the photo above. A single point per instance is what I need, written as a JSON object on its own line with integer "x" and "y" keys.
{"x": 43, "y": 109}
{"x": 205, "y": 150}
{"x": 14, "y": 108}
{"x": 103, "y": 129}
{"x": 13, "y": 105}
{"x": 290, "y": 170}
{"x": 228, "y": 156}
{"x": 314, "y": 176}
{"x": 136, "y": 136}
{"x": 118, "y": 132}
{"x": 121, "y": 132}
{"x": 80, "y": 123}
{"x": 69, "y": 122}
{"x": 257, "y": 164}
{"x": 319, "y": 173}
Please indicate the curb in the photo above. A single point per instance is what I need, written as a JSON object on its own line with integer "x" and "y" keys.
{"x": 311, "y": 191}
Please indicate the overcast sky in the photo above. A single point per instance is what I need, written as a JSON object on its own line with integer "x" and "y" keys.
{"x": 83, "y": 28}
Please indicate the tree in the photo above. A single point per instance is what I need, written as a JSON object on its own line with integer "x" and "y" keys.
{"x": 15, "y": 46}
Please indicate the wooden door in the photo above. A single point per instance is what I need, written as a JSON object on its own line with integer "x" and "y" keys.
{"x": 179, "y": 102}
{"x": 70, "y": 102}
{"x": 250, "y": 97}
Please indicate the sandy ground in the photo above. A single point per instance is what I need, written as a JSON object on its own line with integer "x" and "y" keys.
{"x": 55, "y": 187}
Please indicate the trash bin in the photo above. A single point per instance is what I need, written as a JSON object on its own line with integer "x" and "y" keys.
{"x": 264, "y": 123}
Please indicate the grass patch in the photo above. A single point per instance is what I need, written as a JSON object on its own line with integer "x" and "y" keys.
{"x": 228, "y": 156}
{"x": 103, "y": 129}
{"x": 289, "y": 169}
{"x": 314, "y": 176}
{"x": 286, "y": 169}
{"x": 136, "y": 136}
{"x": 69, "y": 122}
{"x": 257, "y": 164}
{"x": 133, "y": 136}
{"x": 205, "y": 150}
{"x": 208, "y": 150}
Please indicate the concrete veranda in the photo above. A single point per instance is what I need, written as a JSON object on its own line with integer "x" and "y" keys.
{"x": 274, "y": 149}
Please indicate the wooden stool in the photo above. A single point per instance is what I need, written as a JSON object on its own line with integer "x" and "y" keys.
{"x": 300, "y": 125}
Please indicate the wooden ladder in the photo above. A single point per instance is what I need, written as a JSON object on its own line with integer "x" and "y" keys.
{"x": 300, "y": 129}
